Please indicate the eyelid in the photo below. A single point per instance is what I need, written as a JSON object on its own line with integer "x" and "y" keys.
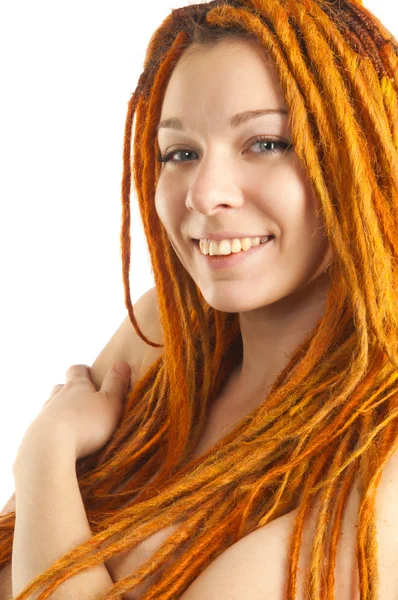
{"x": 271, "y": 137}
{"x": 166, "y": 156}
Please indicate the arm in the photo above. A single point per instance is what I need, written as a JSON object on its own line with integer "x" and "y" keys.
{"x": 50, "y": 518}
{"x": 124, "y": 345}
{"x": 5, "y": 583}
{"x": 5, "y": 572}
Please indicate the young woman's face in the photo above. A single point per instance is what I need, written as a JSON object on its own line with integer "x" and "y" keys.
{"x": 227, "y": 181}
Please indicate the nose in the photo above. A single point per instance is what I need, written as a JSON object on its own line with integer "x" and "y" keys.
{"x": 213, "y": 188}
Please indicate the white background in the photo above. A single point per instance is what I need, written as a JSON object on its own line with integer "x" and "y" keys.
{"x": 67, "y": 71}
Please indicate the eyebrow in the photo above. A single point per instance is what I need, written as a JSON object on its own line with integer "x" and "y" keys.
{"x": 236, "y": 120}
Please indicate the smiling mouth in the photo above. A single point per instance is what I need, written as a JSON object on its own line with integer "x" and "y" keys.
{"x": 232, "y": 260}
{"x": 264, "y": 241}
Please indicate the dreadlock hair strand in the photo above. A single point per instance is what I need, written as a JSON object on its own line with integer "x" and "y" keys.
{"x": 330, "y": 420}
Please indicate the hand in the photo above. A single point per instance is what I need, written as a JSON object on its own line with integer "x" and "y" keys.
{"x": 88, "y": 416}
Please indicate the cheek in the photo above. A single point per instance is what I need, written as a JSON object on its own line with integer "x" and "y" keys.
{"x": 170, "y": 212}
{"x": 313, "y": 228}
{"x": 317, "y": 251}
{"x": 169, "y": 203}
{"x": 162, "y": 207}
{"x": 316, "y": 219}
{"x": 298, "y": 211}
{"x": 158, "y": 204}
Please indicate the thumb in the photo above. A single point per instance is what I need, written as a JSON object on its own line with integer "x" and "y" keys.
{"x": 122, "y": 368}
{"x": 116, "y": 380}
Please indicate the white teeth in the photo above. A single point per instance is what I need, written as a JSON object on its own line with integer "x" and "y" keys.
{"x": 225, "y": 247}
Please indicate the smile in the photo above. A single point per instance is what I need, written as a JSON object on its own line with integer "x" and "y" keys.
{"x": 230, "y": 260}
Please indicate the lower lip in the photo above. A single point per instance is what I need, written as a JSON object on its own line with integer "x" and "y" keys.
{"x": 224, "y": 262}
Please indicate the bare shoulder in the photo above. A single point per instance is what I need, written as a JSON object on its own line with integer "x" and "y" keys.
{"x": 126, "y": 344}
{"x": 146, "y": 311}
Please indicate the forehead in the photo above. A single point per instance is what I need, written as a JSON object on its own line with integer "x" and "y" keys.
{"x": 230, "y": 76}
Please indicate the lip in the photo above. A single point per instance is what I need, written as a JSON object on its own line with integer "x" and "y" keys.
{"x": 225, "y": 262}
{"x": 229, "y": 235}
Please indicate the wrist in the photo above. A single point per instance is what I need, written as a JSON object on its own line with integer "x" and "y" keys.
{"x": 43, "y": 442}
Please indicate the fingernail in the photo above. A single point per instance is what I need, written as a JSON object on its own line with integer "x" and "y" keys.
{"x": 122, "y": 368}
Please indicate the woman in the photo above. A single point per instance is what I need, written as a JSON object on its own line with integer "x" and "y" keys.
{"x": 273, "y": 406}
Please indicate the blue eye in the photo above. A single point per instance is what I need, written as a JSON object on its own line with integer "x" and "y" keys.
{"x": 278, "y": 146}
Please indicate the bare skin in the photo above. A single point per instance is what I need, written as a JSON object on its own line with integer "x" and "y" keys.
{"x": 228, "y": 182}
{"x": 280, "y": 293}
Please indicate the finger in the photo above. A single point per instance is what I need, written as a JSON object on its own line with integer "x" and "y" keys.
{"x": 56, "y": 389}
{"x": 116, "y": 380}
{"x": 77, "y": 372}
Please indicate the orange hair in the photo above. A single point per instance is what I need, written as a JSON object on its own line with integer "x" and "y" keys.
{"x": 337, "y": 66}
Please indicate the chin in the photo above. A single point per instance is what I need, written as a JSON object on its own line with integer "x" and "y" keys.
{"x": 230, "y": 302}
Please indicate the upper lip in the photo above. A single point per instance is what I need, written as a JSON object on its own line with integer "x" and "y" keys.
{"x": 225, "y": 235}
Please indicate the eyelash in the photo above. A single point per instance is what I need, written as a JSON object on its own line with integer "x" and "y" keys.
{"x": 163, "y": 158}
